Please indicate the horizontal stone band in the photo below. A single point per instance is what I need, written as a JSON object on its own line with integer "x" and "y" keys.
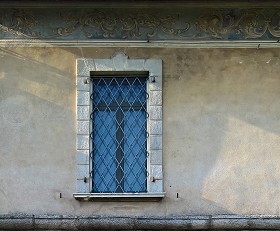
{"x": 53, "y": 222}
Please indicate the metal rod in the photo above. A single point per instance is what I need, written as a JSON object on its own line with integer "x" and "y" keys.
{"x": 119, "y": 74}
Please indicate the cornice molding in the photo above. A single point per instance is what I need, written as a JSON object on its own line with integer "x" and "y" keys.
{"x": 139, "y": 44}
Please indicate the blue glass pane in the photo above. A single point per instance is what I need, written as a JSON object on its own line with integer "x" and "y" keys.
{"x": 104, "y": 162}
{"x": 135, "y": 153}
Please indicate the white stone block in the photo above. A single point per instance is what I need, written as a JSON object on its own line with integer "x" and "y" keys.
{"x": 156, "y": 156}
{"x": 82, "y": 171}
{"x": 156, "y": 98}
{"x": 135, "y": 65}
{"x": 120, "y": 61}
{"x": 83, "y": 113}
{"x": 156, "y": 186}
{"x": 82, "y": 142}
{"x": 84, "y": 67}
{"x": 81, "y": 85}
{"x": 157, "y": 84}
{"x": 155, "y": 112}
{"x": 83, "y": 127}
{"x": 156, "y": 171}
{"x": 82, "y": 156}
{"x": 83, "y": 98}
{"x": 104, "y": 65}
{"x": 156, "y": 127}
{"x": 154, "y": 66}
{"x": 82, "y": 187}
{"x": 155, "y": 142}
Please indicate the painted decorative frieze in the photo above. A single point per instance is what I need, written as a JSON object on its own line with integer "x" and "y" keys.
{"x": 140, "y": 24}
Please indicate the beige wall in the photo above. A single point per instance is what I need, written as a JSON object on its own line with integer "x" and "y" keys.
{"x": 221, "y": 139}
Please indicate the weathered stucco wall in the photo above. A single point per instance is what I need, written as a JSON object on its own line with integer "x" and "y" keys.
{"x": 221, "y": 132}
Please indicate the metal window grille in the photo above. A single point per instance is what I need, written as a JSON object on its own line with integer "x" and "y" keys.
{"x": 119, "y": 133}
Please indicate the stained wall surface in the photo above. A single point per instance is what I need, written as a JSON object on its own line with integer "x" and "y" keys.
{"x": 221, "y": 132}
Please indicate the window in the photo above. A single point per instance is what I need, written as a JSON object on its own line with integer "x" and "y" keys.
{"x": 119, "y": 129}
{"x": 119, "y": 132}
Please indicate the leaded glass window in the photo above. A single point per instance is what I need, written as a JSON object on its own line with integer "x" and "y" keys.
{"x": 119, "y": 132}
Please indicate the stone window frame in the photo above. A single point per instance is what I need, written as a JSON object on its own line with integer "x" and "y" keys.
{"x": 119, "y": 62}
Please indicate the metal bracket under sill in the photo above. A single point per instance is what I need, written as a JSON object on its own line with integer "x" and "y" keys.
{"x": 119, "y": 196}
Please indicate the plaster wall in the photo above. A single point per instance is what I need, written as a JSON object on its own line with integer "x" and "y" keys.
{"x": 221, "y": 132}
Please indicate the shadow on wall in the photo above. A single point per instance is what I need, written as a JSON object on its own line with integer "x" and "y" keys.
{"x": 223, "y": 130}
{"x": 37, "y": 129}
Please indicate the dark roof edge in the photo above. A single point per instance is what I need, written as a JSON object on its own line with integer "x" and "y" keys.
{"x": 138, "y": 4}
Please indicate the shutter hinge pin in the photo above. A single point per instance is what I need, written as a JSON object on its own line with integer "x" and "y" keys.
{"x": 86, "y": 81}
{"x": 152, "y": 78}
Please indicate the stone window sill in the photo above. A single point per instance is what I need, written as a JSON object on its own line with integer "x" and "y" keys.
{"x": 119, "y": 196}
